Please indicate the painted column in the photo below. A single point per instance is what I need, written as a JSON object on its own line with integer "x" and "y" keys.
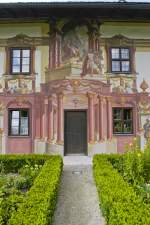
{"x": 91, "y": 116}
{"x": 38, "y": 124}
{"x": 2, "y": 131}
{"x": 101, "y": 119}
{"x": 51, "y": 119}
{"x": 55, "y": 123}
{"x": 60, "y": 118}
{"x": 97, "y": 122}
{"x": 109, "y": 118}
{"x": 135, "y": 119}
{"x": 45, "y": 131}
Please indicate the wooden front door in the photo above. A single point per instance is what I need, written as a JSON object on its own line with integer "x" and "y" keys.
{"x": 75, "y": 134}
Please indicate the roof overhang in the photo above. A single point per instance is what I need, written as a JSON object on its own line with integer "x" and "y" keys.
{"x": 106, "y": 11}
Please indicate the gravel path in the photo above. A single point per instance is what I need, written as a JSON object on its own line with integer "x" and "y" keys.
{"x": 78, "y": 198}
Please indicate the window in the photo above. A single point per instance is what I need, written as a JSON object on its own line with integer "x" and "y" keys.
{"x": 122, "y": 121}
{"x": 19, "y": 122}
{"x": 120, "y": 60}
{"x": 20, "y": 61}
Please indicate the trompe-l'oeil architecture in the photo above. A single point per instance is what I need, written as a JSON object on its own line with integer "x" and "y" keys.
{"x": 74, "y": 77}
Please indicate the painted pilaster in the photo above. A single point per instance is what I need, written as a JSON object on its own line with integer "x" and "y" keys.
{"x": 55, "y": 112}
{"x": 38, "y": 124}
{"x": 45, "y": 119}
{"x": 97, "y": 122}
{"x": 135, "y": 118}
{"x": 60, "y": 118}
{"x": 91, "y": 116}
{"x": 109, "y": 118}
{"x": 51, "y": 119}
{"x": 2, "y": 132}
{"x": 101, "y": 118}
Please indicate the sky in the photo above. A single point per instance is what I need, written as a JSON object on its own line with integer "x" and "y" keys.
{"x": 2, "y": 1}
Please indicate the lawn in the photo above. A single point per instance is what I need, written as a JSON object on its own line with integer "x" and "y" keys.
{"x": 123, "y": 184}
{"x": 28, "y": 188}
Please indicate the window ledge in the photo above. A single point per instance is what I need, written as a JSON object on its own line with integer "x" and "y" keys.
{"x": 21, "y": 136}
{"x": 124, "y": 135}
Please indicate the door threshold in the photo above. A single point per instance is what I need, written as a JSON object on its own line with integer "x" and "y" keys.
{"x": 75, "y": 155}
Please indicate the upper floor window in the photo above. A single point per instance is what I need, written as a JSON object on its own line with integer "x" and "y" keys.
{"x": 19, "y": 122}
{"x": 20, "y": 60}
{"x": 122, "y": 121}
{"x": 120, "y": 60}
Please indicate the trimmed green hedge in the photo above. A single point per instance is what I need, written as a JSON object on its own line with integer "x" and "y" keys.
{"x": 11, "y": 163}
{"x": 119, "y": 203}
{"x": 38, "y": 207}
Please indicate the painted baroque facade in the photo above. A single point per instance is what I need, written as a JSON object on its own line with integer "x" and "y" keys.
{"x": 65, "y": 65}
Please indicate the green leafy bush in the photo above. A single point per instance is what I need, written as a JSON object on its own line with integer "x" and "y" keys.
{"x": 146, "y": 157}
{"x": 133, "y": 167}
{"x": 9, "y": 206}
{"x": 11, "y": 163}
{"x": 119, "y": 202}
{"x": 22, "y": 171}
{"x": 38, "y": 207}
{"x": 27, "y": 174}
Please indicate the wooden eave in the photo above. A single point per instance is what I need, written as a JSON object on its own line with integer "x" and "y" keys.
{"x": 106, "y": 11}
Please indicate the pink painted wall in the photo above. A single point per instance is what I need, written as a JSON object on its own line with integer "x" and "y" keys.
{"x": 19, "y": 145}
{"x": 122, "y": 141}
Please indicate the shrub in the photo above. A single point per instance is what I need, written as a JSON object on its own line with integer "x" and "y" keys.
{"x": 9, "y": 206}
{"x": 146, "y": 157}
{"x": 11, "y": 163}
{"x": 133, "y": 167}
{"x": 38, "y": 207}
{"x": 119, "y": 202}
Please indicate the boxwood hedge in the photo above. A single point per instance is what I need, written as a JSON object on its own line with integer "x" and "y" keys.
{"x": 12, "y": 162}
{"x": 38, "y": 206}
{"x": 119, "y": 203}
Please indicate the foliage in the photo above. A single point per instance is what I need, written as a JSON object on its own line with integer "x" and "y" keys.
{"x": 144, "y": 192}
{"x": 9, "y": 206}
{"x": 38, "y": 207}
{"x": 27, "y": 176}
{"x": 119, "y": 202}
{"x": 14, "y": 186}
{"x": 11, "y": 163}
{"x": 133, "y": 165}
{"x": 146, "y": 157}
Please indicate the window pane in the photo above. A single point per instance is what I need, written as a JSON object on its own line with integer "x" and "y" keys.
{"x": 16, "y": 53}
{"x": 117, "y": 127}
{"x": 24, "y": 123}
{"x": 115, "y": 66}
{"x": 125, "y": 66}
{"x": 127, "y": 127}
{"x": 26, "y": 53}
{"x": 16, "y": 69}
{"x": 24, "y": 126}
{"x": 124, "y": 53}
{"x": 25, "y": 69}
{"x": 127, "y": 114}
{"x": 24, "y": 113}
{"x": 15, "y": 122}
{"x": 25, "y": 61}
{"x": 115, "y": 53}
{"x": 117, "y": 114}
{"x": 14, "y": 130}
{"x": 15, "y": 114}
{"x": 16, "y": 61}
